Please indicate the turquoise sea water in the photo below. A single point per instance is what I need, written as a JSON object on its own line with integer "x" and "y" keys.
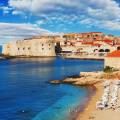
{"x": 25, "y": 92}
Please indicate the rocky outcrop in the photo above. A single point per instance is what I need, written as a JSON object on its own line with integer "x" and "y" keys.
{"x": 83, "y": 81}
{"x": 55, "y": 81}
{"x": 111, "y": 75}
{"x": 91, "y": 74}
{"x": 89, "y": 78}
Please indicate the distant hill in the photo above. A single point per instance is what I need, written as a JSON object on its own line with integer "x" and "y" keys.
{"x": 0, "y": 49}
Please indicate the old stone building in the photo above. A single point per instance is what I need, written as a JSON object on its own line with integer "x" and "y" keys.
{"x": 36, "y": 46}
{"x": 86, "y": 37}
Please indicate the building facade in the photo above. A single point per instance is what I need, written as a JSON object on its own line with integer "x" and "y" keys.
{"x": 86, "y": 37}
{"x": 113, "y": 59}
{"x": 36, "y": 46}
{"x": 89, "y": 43}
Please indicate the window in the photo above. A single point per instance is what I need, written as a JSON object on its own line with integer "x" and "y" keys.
{"x": 49, "y": 44}
{"x": 29, "y": 48}
{"x": 65, "y": 43}
{"x": 96, "y": 50}
{"x": 118, "y": 48}
{"x": 49, "y": 48}
{"x": 23, "y": 48}
{"x": 101, "y": 50}
{"x": 107, "y": 50}
{"x": 42, "y": 44}
{"x": 18, "y": 48}
{"x": 96, "y": 35}
{"x": 88, "y": 36}
{"x": 42, "y": 48}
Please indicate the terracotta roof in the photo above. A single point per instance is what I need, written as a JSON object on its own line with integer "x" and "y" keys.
{"x": 114, "y": 54}
{"x": 108, "y": 41}
{"x": 87, "y": 43}
{"x": 91, "y": 43}
{"x": 97, "y": 44}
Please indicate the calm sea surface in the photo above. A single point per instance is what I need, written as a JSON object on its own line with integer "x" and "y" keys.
{"x": 25, "y": 92}
{"x": 0, "y": 49}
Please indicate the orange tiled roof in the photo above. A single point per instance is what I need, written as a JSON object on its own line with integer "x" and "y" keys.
{"x": 91, "y": 43}
{"x": 107, "y": 40}
{"x": 114, "y": 54}
{"x": 97, "y": 44}
{"x": 87, "y": 43}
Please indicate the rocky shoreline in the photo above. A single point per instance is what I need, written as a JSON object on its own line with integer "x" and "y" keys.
{"x": 88, "y": 78}
{"x": 92, "y": 79}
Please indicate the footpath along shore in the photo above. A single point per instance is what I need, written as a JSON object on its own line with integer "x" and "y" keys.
{"x": 95, "y": 79}
{"x": 84, "y": 57}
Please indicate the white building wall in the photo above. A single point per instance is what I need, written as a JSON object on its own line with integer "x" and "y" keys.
{"x": 112, "y": 62}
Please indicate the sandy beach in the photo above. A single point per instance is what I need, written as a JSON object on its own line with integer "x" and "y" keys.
{"x": 97, "y": 79}
{"x": 88, "y": 111}
{"x": 91, "y": 113}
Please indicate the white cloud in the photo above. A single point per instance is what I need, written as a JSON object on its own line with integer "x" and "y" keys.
{"x": 13, "y": 31}
{"x": 86, "y": 21}
{"x": 40, "y": 5}
{"x": 20, "y": 4}
{"x": 97, "y": 10}
{"x": 107, "y": 6}
{"x": 102, "y": 24}
{"x": 5, "y": 9}
{"x": 16, "y": 12}
{"x": 110, "y": 25}
{"x": 40, "y": 22}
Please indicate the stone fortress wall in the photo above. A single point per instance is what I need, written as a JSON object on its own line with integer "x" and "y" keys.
{"x": 36, "y": 46}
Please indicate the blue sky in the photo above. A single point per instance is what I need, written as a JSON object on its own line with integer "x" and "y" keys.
{"x": 24, "y": 18}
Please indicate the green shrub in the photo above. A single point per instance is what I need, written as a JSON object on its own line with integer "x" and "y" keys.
{"x": 108, "y": 69}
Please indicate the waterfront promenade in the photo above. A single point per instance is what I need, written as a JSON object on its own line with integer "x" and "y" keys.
{"x": 85, "y": 57}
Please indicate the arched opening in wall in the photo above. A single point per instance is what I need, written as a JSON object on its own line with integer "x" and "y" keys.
{"x": 24, "y": 48}
{"x": 65, "y": 43}
{"x": 96, "y": 35}
{"x": 88, "y": 36}
{"x": 58, "y": 48}
{"x": 18, "y": 48}
{"x": 118, "y": 48}
{"x": 95, "y": 50}
{"x": 101, "y": 50}
{"x": 107, "y": 50}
